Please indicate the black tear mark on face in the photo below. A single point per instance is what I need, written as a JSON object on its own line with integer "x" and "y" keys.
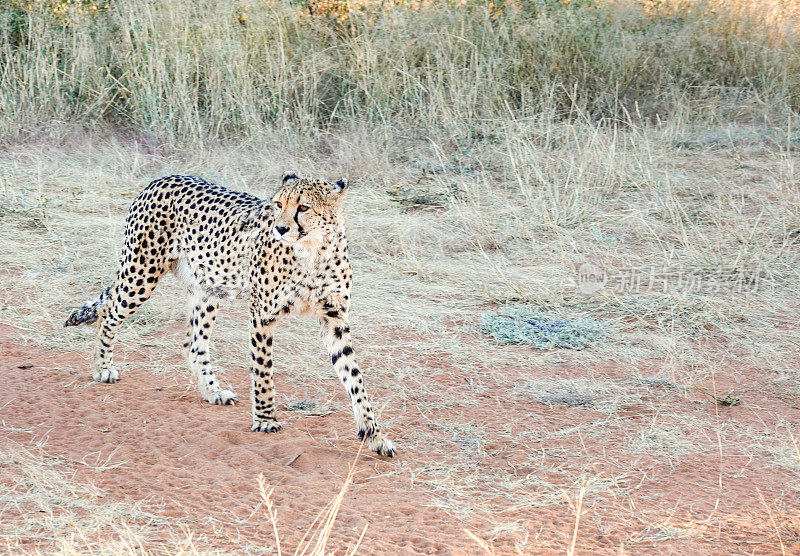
{"x": 300, "y": 231}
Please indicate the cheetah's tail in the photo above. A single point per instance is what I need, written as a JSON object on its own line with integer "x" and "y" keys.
{"x": 87, "y": 314}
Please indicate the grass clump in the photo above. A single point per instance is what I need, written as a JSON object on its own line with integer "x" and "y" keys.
{"x": 213, "y": 69}
{"x": 526, "y": 326}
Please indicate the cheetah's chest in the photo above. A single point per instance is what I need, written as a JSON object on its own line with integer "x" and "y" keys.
{"x": 296, "y": 288}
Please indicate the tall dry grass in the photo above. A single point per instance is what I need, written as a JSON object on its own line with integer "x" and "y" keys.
{"x": 181, "y": 69}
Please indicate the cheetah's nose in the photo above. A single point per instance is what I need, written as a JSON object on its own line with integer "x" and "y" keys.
{"x": 281, "y": 229}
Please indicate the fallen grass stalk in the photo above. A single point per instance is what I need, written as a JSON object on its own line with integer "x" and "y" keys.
{"x": 324, "y": 534}
{"x": 320, "y": 534}
{"x": 273, "y": 517}
{"x": 360, "y": 538}
{"x": 482, "y": 543}
{"x": 578, "y": 509}
{"x": 772, "y": 521}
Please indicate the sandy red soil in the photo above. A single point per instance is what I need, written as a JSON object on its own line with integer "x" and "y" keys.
{"x": 189, "y": 461}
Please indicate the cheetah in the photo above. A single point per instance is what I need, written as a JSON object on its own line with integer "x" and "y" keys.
{"x": 288, "y": 253}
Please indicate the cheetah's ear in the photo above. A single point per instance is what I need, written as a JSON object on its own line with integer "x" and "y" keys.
{"x": 339, "y": 187}
{"x": 289, "y": 177}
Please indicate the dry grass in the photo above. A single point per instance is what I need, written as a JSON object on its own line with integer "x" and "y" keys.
{"x": 487, "y": 166}
{"x": 181, "y": 70}
{"x": 43, "y": 507}
{"x": 315, "y": 540}
{"x": 437, "y": 270}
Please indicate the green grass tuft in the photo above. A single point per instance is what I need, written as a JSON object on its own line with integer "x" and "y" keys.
{"x": 526, "y": 326}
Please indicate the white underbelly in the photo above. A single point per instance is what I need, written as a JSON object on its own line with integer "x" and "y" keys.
{"x": 224, "y": 287}
{"x": 186, "y": 275}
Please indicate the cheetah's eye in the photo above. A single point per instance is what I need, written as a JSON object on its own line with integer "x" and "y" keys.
{"x": 278, "y": 204}
{"x": 302, "y": 208}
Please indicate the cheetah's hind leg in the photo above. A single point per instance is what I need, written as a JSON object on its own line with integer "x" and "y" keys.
{"x": 203, "y": 309}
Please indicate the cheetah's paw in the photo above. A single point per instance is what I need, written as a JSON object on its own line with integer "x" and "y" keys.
{"x": 380, "y": 444}
{"x": 109, "y": 375}
{"x": 222, "y": 397}
{"x": 265, "y": 425}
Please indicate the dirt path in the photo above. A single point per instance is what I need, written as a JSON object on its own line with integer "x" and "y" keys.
{"x": 193, "y": 461}
{"x": 149, "y": 441}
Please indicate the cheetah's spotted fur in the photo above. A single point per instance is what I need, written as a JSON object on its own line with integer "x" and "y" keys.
{"x": 289, "y": 252}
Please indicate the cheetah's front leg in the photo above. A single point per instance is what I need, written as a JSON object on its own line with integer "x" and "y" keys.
{"x": 262, "y": 393}
{"x": 336, "y": 335}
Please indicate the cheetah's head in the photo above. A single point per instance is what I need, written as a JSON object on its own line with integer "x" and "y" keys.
{"x": 307, "y": 210}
